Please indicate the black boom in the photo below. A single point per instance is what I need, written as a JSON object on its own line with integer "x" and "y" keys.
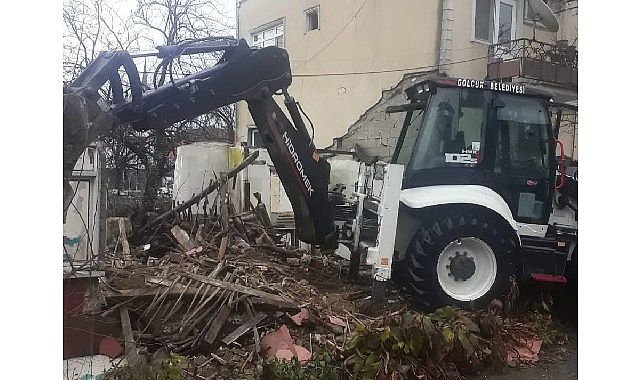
{"x": 242, "y": 73}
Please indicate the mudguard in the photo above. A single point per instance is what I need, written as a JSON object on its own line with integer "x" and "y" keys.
{"x": 420, "y": 197}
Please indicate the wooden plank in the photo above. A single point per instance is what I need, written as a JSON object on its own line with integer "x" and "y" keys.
{"x": 179, "y": 303}
{"x": 224, "y": 208}
{"x": 128, "y": 294}
{"x": 187, "y": 327}
{"x": 146, "y": 293}
{"x": 244, "y": 328}
{"x": 213, "y": 185}
{"x": 158, "y": 301}
{"x": 222, "y": 249}
{"x": 264, "y": 300}
{"x": 204, "y": 301}
{"x": 250, "y": 312}
{"x": 217, "y": 324}
{"x": 182, "y": 237}
{"x": 273, "y": 298}
{"x": 128, "y": 336}
{"x": 126, "y": 253}
{"x": 214, "y": 273}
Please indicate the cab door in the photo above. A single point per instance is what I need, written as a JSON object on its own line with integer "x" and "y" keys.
{"x": 523, "y": 163}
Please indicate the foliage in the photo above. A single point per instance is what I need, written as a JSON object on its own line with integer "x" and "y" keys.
{"x": 546, "y": 328}
{"x": 439, "y": 345}
{"x": 321, "y": 367}
{"x": 168, "y": 369}
{"x": 538, "y": 307}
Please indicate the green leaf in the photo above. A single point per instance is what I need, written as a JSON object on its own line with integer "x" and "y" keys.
{"x": 428, "y": 326}
{"x": 467, "y": 346}
{"x": 448, "y": 334}
{"x": 385, "y": 334}
{"x": 446, "y": 312}
{"x": 372, "y": 358}
{"x": 416, "y": 343}
{"x": 372, "y": 365}
{"x": 471, "y": 326}
{"x": 355, "y": 342}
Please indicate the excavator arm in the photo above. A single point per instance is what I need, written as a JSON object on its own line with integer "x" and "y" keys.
{"x": 241, "y": 74}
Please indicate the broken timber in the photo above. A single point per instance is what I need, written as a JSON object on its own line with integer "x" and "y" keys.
{"x": 126, "y": 254}
{"x": 217, "y": 324}
{"x": 128, "y": 335}
{"x": 213, "y": 185}
{"x": 244, "y": 328}
{"x": 182, "y": 237}
{"x": 264, "y": 299}
{"x": 274, "y": 299}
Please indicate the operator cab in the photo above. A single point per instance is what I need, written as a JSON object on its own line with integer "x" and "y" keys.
{"x": 472, "y": 132}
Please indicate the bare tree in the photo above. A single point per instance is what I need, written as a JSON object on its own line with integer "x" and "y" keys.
{"x": 92, "y": 26}
{"x": 96, "y": 25}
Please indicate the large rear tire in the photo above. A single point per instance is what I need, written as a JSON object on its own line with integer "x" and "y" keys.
{"x": 463, "y": 259}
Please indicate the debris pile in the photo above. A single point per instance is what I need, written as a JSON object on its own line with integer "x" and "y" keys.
{"x": 226, "y": 292}
{"x": 226, "y": 288}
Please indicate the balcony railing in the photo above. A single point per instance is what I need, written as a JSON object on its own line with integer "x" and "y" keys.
{"x": 525, "y": 58}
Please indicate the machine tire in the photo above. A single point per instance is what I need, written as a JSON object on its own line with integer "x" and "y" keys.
{"x": 472, "y": 236}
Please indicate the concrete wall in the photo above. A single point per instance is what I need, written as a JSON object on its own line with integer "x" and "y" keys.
{"x": 377, "y": 131}
{"x": 362, "y": 46}
{"x": 363, "y": 49}
{"x": 567, "y": 13}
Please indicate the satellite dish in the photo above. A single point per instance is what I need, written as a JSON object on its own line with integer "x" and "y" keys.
{"x": 544, "y": 15}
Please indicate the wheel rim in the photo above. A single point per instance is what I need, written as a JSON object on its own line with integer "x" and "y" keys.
{"x": 466, "y": 269}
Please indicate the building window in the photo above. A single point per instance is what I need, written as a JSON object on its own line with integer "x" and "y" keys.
{"x": 311, "y": 17}
{"x": 484, "y": 20}
{"x": 506, "y": 16}
{"x": 495, "y": 20}
{"x": 254, "y": 139}
{"x": 271, "y": 34}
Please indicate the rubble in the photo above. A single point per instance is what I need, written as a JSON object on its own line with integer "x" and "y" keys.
{"x": 224, "y": 286}
{"x": 225, "y": 296}
{"x": 279, "y": 344}
{"x": 229, "y": 295}
{"x": 526, "y": 351}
